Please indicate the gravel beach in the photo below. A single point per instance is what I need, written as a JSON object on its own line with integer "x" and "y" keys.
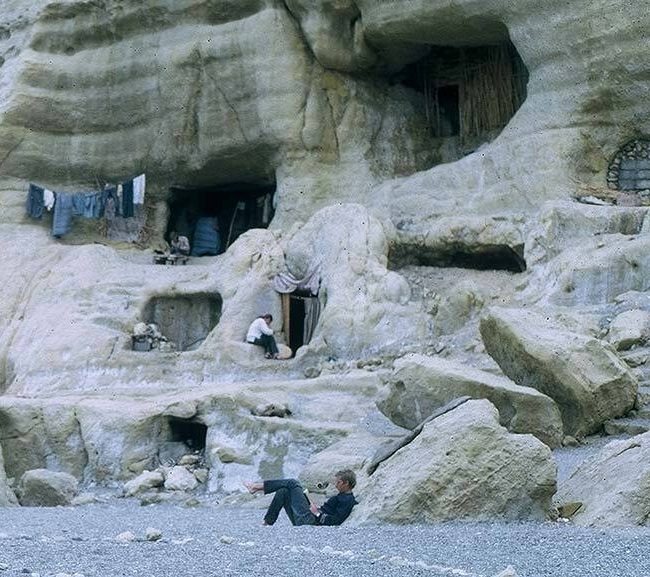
{"x": 218, "y": 540}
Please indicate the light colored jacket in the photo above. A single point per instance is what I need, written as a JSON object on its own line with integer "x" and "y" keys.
{"x": 257, "y": 329}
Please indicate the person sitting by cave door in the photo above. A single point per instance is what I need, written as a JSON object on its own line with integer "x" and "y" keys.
{"x": 260, "y": 333}
{"x": 179, "y": 244}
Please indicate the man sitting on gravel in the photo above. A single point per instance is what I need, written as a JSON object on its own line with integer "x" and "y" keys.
{"x": 300, "y": 509}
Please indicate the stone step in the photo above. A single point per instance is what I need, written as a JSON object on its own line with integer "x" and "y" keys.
{"x": 627, "y": 426}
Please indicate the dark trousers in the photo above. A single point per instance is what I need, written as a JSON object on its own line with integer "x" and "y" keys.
{"x": 290, "y": 497}
{"x": 269, "y": 344}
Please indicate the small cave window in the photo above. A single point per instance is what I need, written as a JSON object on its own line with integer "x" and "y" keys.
{"x": 629, "y": 170}
{"x": 301, "y": 311}
{"x": 469, "y": 93}
{"x": 185, "y": 320}
{"x": 493, "y": 257}
{"x": 187, "y": 432}
{"x": 213, "y": 218}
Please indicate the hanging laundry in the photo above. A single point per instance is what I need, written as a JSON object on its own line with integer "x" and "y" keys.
{"x": 35, "y": 201}
{"x": 108, "y": 194}
{"x": 139, "y": 185}
{"x": 127, "y": 199}
{"x": 87, "y": 204}
{"x": 49, "y": 198}
{"x": 62, "y": 214}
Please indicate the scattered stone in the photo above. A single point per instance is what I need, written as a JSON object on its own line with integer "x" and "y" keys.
{"x": 180, "y": 479}
{"x": 155, "y": 499}
{"x": 509, "y": 571}
{"x": 570, "y": 441}
{"x": 144, "y": 482}
{"x": 126, "y": 537}
{"x": 284, "y": 352}
{"x": 226, "y": 539}
{"x": 192, "y": 502}
{"x": 202, "y": 475}
{"x": 312, "y": 372}
{"x": 4, "y": 566}
{"x": 83, "y": 499}
{"x": 628, "y": 329}
{"x": 272, "y": 410}
{"x": 153, "y": 534}
{"x": 44, "y": 488}
{"x": 189, "y": 460}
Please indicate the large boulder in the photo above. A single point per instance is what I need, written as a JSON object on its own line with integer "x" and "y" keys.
{"x": 7, "y": 496}
{"x": 583, "y": 375}
{"x": 612, "y": 486}
{"x": 463, "y": 465}
{"x": 419, "y": 385}
{"x": 43, "y": 488}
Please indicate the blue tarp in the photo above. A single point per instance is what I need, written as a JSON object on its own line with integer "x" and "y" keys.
{"x": 207, "y": 240}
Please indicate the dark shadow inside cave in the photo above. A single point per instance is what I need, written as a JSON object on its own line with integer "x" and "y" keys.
{"x": 186, "y": 320}
{"x": 486, "y": 257}
{"x": 213, "y": 218}
{"x": 191, "y": 433}
{"x": 469, "y": 93}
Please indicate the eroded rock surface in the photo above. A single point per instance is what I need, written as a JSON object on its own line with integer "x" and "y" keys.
{"x": 419, "y": 385}
{"x": 462, "y": 465}
{"x": 7, "y": 496}
{"x": 583, "y": 375}
{"x": 613, "y": 486}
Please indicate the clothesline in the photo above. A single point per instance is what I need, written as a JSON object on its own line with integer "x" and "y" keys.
{"x": 91, "y": 204}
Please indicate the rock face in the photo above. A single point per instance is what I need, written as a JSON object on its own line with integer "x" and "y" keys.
{"x": 613, "y": 486}
{"x": 419, "y": 385}
{"x": 586, "y": 379}
{"x": 7, "y": 496}
{"x": 326, "y": 107}
{"x": 462, "y": 465}
{"x": 43, "y": 488}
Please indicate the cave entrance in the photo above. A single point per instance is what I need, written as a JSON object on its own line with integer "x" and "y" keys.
{"x": 470, "y": 93}
{"x": 213, "y": 218}
{"x": 301, "y": 311}
{"x": 190, "y": 433}
{"x": 487, "y": 257}
{"x": 185, "y": 320}
{"x": 180, "y": 437}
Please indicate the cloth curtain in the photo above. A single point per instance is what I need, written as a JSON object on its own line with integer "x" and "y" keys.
{"x": 285, "y": 282}
{"x": 312, "y": 313}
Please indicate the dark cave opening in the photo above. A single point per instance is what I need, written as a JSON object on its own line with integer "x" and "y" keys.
{"x": 469, "y": 93}
{"x": 190, "y": 433}
{"x": 487, "y": 257}
{"x": 186, "y": 320}
{"x": 212, "y": 218}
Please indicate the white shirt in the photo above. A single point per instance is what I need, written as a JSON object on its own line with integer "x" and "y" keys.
{"x": 257, "y": 329}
